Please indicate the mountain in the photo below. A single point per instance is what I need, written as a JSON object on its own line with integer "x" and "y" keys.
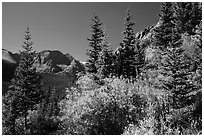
{"x": 54, "y": 61}
{"x": 8, "y": 56}
{"x": 57, "y": 69}
{"x": 46, "y": 61}
{"x": 9, "y": 63}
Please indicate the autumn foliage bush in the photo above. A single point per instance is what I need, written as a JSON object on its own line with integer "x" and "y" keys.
{"x": 107, "y": 108}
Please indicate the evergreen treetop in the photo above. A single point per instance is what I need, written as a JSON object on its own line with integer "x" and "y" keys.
{"x": 126, "y": 56}
{"x": 163, "y": 33}
{"x": 187, "y": 16}
{"x": 95, "y": 43}
{"x": 129, "y": 34}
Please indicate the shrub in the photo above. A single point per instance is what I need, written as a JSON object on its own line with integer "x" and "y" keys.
{"x": 92, "y": 108}
{"x": 161, "y": 119}
{"x": 113, "y": 106}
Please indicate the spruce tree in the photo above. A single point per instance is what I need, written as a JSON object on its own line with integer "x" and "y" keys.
{"x": 126, "y": 56}
{"x": 139, "y": 58}
{"x": 163, "y": 32}
{"x": 105, "y": 60}
{"x": 46, "y": 121}
{"x": 178, "y": 65}
{"x": 25, "y": 90}
{"x": 95, "y": 43}
{"x": 176, "y": 69}
{"x": 49, "y": 105}
{"x": 162, "y": 36}
{"x": 187, "y": 16}
{"x": 10, "y": 112}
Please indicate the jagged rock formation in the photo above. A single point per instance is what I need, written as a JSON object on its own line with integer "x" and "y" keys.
{"x": 57, "y": 69}
{"x": 145, "y": 34}
{"x": 145, "y": 39}
{"x": 45, "y": 62}
{"x": 54, "y": 61}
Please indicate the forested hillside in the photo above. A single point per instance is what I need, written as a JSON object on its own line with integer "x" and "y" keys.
{"x": 150, "y": 85}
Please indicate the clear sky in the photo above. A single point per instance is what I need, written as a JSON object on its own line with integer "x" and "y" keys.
{"x": 66, "y": 26}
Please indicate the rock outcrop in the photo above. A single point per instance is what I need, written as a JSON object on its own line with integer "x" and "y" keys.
{"x": 54, "y": 61}
{"x": 46, "y": 61}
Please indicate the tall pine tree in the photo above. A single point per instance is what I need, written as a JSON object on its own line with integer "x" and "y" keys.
{"x": 126, "y": 56}
{"x": 174, "y": 65}
{"x": 162, "y": 36}
{"x": 187, "y": 16}
{"x": 25, "y": 90}
{"x": 176, "y": 69}
{"x": 163, "y": 33}
{"x": 95, "y": 43}
{"x": 105, "y": 60}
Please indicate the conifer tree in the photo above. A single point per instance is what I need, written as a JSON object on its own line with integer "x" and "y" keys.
{"x": 176, "y": 68}
{"x": 10, "y": 112}
{"x": 139, "y": 58}
{"x": 95, "y": 43}
{"x": 163, "y": 33}
{"x": 162, "y": 37}
{"x": 46, "y": 121}
{"x": 174, "y": 65}
{"x": 49, "y": 105}
{"x": 105, "y": 60}
{"x": 115, "y": 64}
{"x": 187, "y": 16}
{"x": 126, "y": 57}
{"x": 25, "y": 90}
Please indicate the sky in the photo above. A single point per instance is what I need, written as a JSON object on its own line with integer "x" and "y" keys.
{"x": 66, "y": 26}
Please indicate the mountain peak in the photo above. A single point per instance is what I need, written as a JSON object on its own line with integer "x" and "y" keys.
{"x": 46, "y": 60}
{"x": 8, "y": 56}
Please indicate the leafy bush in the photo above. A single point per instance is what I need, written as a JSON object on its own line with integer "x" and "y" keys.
{"x": 161, "y": 119}
{"x": 92, "y": 108}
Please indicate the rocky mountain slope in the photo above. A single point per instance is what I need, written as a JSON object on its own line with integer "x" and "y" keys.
{"x": 46, "y": 61}
{"x": 145, "y": 38}
{"x": 57, "y": 69}
{"x": 54, "y": 61}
